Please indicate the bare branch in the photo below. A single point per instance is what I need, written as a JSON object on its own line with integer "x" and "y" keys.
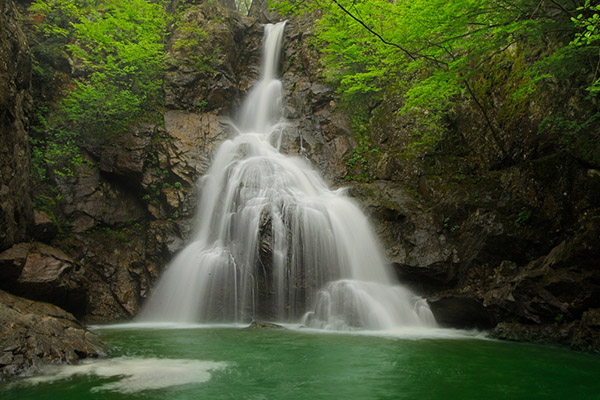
{"x": 381, "y": 38}
{"x": 556, "y": 3}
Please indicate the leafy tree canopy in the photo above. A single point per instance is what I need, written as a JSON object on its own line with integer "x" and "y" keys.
{"x": 434, "y": 51}
{"x": 116, "y": 52}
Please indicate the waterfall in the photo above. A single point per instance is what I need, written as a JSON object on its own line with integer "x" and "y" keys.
{"x": 273, "y": 242}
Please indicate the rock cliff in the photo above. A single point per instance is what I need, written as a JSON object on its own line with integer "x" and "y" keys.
{"x": 16, "y": 212}
{"x": 31, "y": 332}
{"x": 503, "y": 240}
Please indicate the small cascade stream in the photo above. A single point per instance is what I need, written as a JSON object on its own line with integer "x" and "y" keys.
{"x": 273, "y": 242}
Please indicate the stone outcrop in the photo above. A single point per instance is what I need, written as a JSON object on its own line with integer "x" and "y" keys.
{"x": 129, "y": 206}
{"x": 586, "y": 335}
{"x": 15, "y": 104}
{"x": 579, "y": 335}
{"x": 44, "y": 227}
{"x": 44, "y": 273}
{"x": 317, "y": 129}
{"x": 34, "y": 333}
{"x": 213, "y": 57}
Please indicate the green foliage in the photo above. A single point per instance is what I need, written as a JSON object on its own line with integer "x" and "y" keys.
{"x": 447, "y": 225}
{"x": 358, "y": 163}
{"x": 122, "y": 234}
{"x": 243, "y": 6}
{"x": 523, "y": 216}
{"x": 438, "y": 52}
{"x": 50, "y": 204}
{"x": 117, "y": 49}
{"x": 192, "y": 41}
{"x": 588, "y": 22}
{"x": 121, "y": 46}
{"x": 52, "y": 147}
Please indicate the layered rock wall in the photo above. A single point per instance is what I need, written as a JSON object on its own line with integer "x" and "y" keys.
{"x": 32, "y": 333}
{"x": 16, "y": 212}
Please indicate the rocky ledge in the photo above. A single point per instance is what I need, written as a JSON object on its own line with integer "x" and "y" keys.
{"x": 34, "y": 333}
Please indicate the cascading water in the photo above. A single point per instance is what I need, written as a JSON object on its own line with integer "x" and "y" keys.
{"x": 273, "y": 242}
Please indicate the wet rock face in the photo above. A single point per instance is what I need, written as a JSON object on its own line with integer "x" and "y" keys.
{"x": 460, "y": 312}
{"x": 91, "y": 200}
{"x": 586, "y": 335}
{"x": 518, "y": 247}
{"x": 579, "y": 335}
{"x": 44, "y": 228}
{"x": 34, "y": 333}
{"x": 15, "y": 104}
{"x": 509, "y": 231}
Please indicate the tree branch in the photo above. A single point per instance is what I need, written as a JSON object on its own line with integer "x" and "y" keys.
{"x": 408, "y": 53}
{"x": 557, "y": 4}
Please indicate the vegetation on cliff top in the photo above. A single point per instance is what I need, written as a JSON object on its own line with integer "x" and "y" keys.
{"x": 116, "y": 52}
{"x": 437, "y": 53}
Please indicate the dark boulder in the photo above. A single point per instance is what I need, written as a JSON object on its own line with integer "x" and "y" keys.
{"x": 587, "y": 334}
{"x": 546, "y": 333}
{"x": 41, "y": 272}
{"x": 34, "y": 333}
{"x": 44, "y": 227}
{"x": 262, "y": 325}
{"x": 460, "y": 312}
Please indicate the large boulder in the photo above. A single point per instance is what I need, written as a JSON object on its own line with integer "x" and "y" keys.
{"x": 559, "y": 286}
{"x": 44, "y": 227}
{"x": 34, "y": 333}
{"x": 117, "y": 269}
{"x": 90, "y": 200}
{"x": 41, "y": 272}
{"x": 586, "y": 335}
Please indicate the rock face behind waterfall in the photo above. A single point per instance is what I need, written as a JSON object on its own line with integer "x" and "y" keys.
{"x": 128, "y": 208}
{"x": 491, "y": 243}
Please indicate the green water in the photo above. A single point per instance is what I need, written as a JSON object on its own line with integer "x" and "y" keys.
{"x": 283, "y": 364}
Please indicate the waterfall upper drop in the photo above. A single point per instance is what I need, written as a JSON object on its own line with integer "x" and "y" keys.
{"x": 274, "y": 242}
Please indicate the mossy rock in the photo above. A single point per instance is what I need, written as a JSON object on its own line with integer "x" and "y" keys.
{"x": 587, "y": 149}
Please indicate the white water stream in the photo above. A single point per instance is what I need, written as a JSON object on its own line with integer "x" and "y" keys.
{"x": 273, "y": 242}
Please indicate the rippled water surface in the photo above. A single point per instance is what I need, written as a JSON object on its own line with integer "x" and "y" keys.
{"x": 236, "y": 363}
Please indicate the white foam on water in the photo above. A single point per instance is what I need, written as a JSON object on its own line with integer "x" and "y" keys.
{"x": 164, "y": 325}
{"x": 134, "y": 374}
{"x": 402, "y": 333}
